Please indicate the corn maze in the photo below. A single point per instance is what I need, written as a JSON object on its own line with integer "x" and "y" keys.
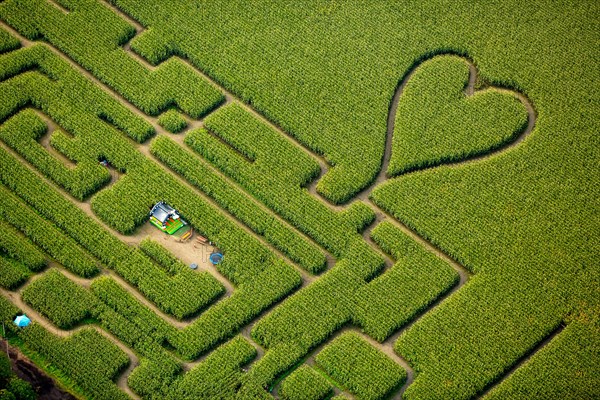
{"x": 405, "y": 196}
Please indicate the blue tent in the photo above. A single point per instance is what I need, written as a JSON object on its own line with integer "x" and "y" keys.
{"x": 22, "y": 321}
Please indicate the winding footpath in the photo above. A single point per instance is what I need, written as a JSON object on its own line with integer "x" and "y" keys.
{"x": 381, "y": 215}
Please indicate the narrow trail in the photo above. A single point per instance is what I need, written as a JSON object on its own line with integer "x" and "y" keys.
{"x": 312, "y": 187}
{"x": 139, "y": 28}
{"x": 309, "y": 360}
{"x": 366, "y": 235}
{"x": 45, "y": 140}
{"x": 469, "y": 91}
{"x": 56, "y": 5}
{"x": 386, "y": 346}
{"x": 144, "y": 301}
{"x": 387, "y": 152}
{"x": 381, "y": 215}
{"x": 524, "y": 359}
{"x": 133, "y": 363}
{"x": 387, "y": 349}
{"x": 364, "y": 195}
{"x": 245, "y": 333}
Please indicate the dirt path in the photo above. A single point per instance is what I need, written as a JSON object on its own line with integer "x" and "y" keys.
{"x": 381, "y": 215}
{"x": 58, "y": 6}
{"x": 245, "y": 333}
{"x": 312, "y": 187}
{"x": 388, "y": 345}
{"x": 45, "y": 139}
{"x": 133, "y": 362}
{"x": 309, "y": 360}
{"x": 523, "y": 359}
{"x": 386, "y": 348}
{"x": 469, "y": 91}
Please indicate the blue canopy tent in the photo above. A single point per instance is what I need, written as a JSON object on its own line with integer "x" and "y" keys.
{"x": 22, "y": 321}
